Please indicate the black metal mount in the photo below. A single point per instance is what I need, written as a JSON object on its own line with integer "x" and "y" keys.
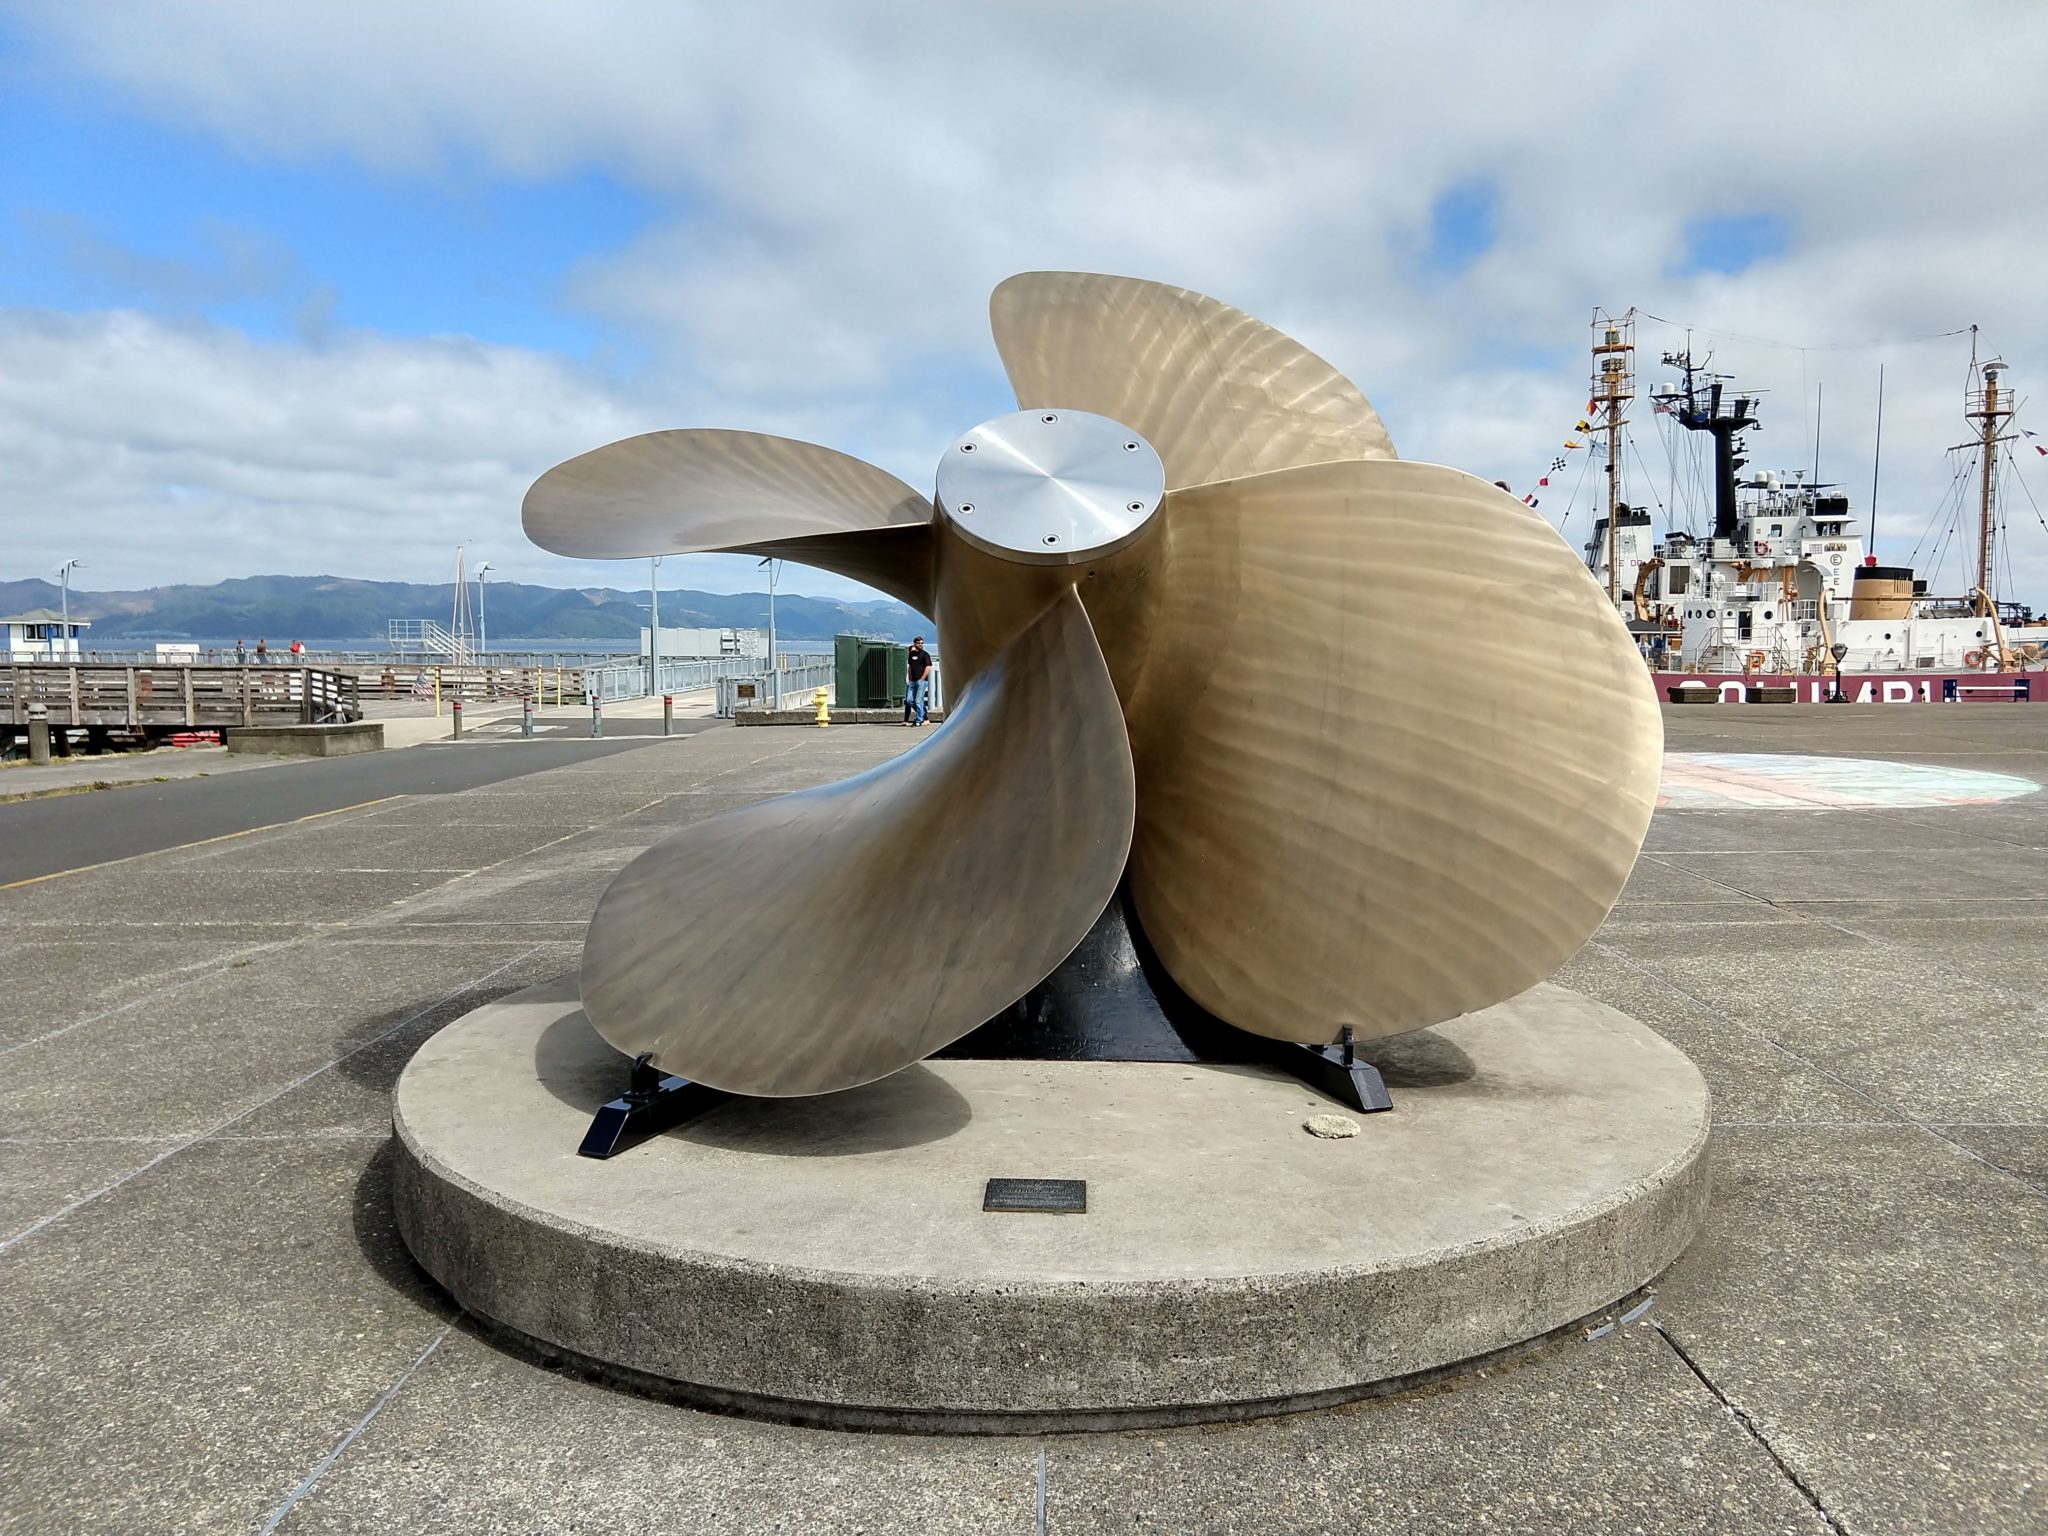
{"x": 1337, "y": 1071}
{"x": 653, "y": 1101}
{"x": 1111, "y": 1000}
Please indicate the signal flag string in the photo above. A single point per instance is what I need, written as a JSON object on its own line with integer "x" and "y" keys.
{"x": 1557, "y": 467}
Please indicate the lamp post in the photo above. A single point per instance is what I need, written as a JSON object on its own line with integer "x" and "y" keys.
{"x": 774, "y": 661}
{"x": 483, "y": 634}
{"x": 653, "y": 624}
{"x": 64, "y": 577}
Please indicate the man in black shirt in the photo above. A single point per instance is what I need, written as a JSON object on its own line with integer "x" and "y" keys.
{"x": 917, "y": 698}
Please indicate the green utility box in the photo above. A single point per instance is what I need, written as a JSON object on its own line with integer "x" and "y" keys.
{"x": 870, "y": 674}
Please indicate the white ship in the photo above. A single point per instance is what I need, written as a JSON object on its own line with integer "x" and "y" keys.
{"x": 1783, "y": 591}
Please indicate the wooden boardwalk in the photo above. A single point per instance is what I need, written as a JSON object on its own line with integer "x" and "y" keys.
{"x": 156, "y": 700}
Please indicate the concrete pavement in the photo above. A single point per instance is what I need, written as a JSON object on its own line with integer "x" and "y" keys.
{"x": 22, "y": 780}
{"x": 406, "y": 722}
{"x": 44, "y": 836}
{"x": 212, "y": 1327}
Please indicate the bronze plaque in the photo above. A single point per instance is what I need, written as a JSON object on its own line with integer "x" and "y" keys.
{"x": 1062, "y": 1197}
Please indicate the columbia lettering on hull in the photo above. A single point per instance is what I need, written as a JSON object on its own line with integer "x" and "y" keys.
{"x": 1884, "y": 688}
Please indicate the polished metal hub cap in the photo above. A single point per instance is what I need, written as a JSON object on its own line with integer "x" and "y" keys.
{"x": 1050, "y": 487}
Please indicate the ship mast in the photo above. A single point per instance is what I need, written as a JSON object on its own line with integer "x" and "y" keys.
{"x": 1990, "y": 407}
{"x": 1614, "y": 385}
{"x": 1697, "y": 414}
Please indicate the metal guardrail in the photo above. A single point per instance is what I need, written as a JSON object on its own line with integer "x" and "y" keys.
{"x": 423, "y": 637}
{"x": 628, "y": 679}
{"x": 619, "y": 680}
{"x": 278, "y": 656}
{"x": 756, "y": 690}
{"x": 699, "y": 673}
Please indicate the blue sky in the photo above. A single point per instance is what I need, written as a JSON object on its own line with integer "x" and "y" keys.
{"x": 322, "y": 287}
{"x": 1731, "y": 243}
{"x": 108, "y": 209}
{"x": 1463, "y": 224}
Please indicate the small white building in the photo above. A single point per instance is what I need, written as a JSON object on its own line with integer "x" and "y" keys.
{"x": 40, "y": 635}
{"x": 707, "y": 644}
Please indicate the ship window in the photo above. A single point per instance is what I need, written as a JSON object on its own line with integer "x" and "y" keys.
{"x": 1980, "y": 634}
{"x": 1777, "y": 529}
{"x": 1767, "y": 613}
{"x": 1887, "y": 634}
{"x": 1675, "y": 577}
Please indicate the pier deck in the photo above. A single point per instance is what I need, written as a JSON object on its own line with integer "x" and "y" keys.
{"x": 211, "y": 1325}
{"x": 160, "y": 699}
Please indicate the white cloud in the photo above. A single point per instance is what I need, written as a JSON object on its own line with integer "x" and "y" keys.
{"x": 165, "y": 453}
{"x": 847, "y": 182}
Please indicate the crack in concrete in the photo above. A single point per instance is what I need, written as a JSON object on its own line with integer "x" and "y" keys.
{"x": 306, "y": 1483}
{"x": 1741, "y": 1416}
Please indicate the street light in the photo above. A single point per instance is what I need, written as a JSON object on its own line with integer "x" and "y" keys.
{"x": 653, "y": 625}
{"x": 64, "y": 576}
{"x": 774, "y": 661}
{"x": 483, "y": 634}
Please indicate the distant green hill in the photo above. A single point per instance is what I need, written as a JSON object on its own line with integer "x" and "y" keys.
{"x": 339, "y": 608}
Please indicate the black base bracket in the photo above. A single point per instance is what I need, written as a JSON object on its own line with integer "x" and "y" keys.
{"x": 653, "y": 1101}
{"x": 1337, "y": 1071}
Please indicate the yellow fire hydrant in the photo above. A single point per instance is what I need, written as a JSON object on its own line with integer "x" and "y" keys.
{"x": 824, "y": 709}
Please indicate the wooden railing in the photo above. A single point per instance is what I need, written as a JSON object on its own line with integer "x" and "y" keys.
{"x": 472, "y": 683}
{"x": 175, "y": 697}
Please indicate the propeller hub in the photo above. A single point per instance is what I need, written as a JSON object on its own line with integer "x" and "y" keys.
{"x": 1050, "y": 487}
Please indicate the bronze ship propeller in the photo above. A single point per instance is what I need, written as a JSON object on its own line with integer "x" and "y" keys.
{"x": 1369, "y": 743}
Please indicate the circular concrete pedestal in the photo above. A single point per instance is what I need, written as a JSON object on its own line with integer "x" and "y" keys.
{"x": 829, "y": 1260}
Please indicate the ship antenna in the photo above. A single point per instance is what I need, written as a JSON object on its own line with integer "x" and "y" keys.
{"x": 1819, "y": 389}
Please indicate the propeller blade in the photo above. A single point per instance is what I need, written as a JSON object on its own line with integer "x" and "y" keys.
{"x": 703, "y": 489}
{"x": 1396, "y": 752}
{"x": 897, "y": 561}
{"x": 824, "y": 939}
{"x": 1219, "y": 394}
